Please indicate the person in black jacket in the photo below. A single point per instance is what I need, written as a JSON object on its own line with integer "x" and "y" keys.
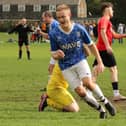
{"x": 22, "y": 29}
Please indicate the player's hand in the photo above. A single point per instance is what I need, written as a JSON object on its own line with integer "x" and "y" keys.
{"x": 99, "y": 69}
{"x": 60, "y": 54}
{"x": 50, "y": 68}
{"x": 109, "y": 50}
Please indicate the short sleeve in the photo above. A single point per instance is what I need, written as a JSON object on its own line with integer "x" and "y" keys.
{"x": 85, "y": 36}
{"x": 53, "y": 42}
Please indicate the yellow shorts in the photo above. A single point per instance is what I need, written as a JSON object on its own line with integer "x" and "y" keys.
{"x": 60, "y": 96}
{"x": 57, "y": 79}
{"x": 57, "y": 88}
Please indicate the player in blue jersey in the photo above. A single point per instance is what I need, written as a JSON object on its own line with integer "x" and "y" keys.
{"x": 67, "y": 47}
{"x": 64, "y": 101}
{"x": 47, "y": 17}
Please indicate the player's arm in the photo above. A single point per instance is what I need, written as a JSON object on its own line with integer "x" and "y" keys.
{"x": 45, "y": 35}
{"x": 87, "y": 40}
{"x": 86, "y": 50}
{"x": 29, "y": 29}
{"x": 117, "y": 36}
{"x": 94, "y": 51}
{"x": 51, "y": 65}
{"x": 12, "y": 30}
{"x": 56, "y": 52}
{"x": 105, "y": 40}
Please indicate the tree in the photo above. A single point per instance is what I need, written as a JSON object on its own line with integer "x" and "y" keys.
{"x": 119, "y": 8}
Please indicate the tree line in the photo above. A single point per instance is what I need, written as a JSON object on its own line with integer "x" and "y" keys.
{"x": 119, "y": 10}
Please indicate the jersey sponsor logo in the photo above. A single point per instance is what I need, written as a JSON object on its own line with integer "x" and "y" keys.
{"x": 71, "y": 45}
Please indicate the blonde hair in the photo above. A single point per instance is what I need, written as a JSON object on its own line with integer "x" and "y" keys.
{"x": 63, "y": 7}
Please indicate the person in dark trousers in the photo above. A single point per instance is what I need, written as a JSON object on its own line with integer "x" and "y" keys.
{"x": 22, "y": 29}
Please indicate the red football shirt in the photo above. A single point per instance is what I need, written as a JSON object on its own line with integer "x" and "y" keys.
{"x": 104, "y": 23}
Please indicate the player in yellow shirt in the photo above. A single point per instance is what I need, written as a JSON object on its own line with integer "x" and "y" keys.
{"x": 57, "y": 94}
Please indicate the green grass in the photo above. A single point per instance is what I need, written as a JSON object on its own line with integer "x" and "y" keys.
{"x": 21, "y": 81}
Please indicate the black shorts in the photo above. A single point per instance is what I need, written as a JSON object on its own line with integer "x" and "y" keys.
{"x": 107, "y": 59}
{"x": 20, "y": 43}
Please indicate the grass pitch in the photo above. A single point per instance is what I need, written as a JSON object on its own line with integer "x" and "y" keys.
{"x": 22, "y": 80}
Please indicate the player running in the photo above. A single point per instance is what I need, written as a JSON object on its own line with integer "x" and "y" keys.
{"x": 105, "y": 36}
{"x": 67, "y": 47}
{"x": 64, "y": 101}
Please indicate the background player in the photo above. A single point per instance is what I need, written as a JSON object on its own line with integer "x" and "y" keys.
{"x": 105, "y": 36}
{"x": 22, "y": 29}
{"x": 47, "y": 18}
